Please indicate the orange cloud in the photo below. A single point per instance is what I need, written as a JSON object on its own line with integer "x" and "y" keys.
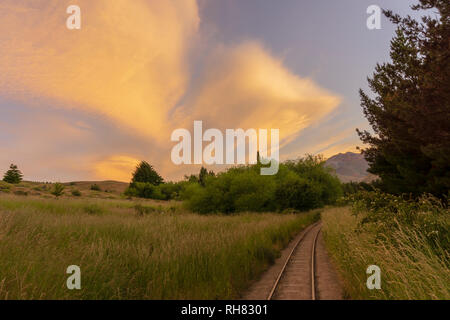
{"x": 119, "y": 168}
{"x": 130, "y": 63}
{"x": 127, "y": 62}
{"x": 246, "y": 87}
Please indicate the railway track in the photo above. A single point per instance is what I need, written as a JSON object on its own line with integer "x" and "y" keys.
{"x": 297, "y": 278}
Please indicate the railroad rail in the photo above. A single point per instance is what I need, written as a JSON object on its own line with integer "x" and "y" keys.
{"x": 314, "y": 230}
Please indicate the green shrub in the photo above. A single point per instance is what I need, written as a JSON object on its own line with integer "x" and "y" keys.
{"x": 237, "y": 190}
{"x": 5, "y": 187}
{"x": 301, "y": 185}
{"x": 76, "y": 193}
{"x": 294, "y": 192}
{"x": 95, "y": 187}
{"x": 164, "y": 191}
{"x": 384, "y": 213}
{"x": 312, "y": 168}
{"x": 141, "y": 190}
{"x": 169, "y": 190}
{"x": 58, "y": 189}
{"x": 250, "y": 191}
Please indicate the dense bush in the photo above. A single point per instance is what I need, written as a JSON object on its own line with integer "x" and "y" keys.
{"x": 238, "y": 189}
{"x": 298, "y": 192}
{"x": 302, "y": 185}
{"x": 165, "y": 191}
{"x": 95, "y": 187}
{"x": 76, "y": 193}
{"x": 384, "y": 213}
{"x": 5, "y": 187}
{"x": 142, "y": 190}
{"x": 58, "y": 189}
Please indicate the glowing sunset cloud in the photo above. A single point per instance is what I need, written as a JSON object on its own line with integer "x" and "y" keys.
{"x": 117, "y": 168}
{"x": 246, "y": 87}
{"x": 127, "y": 62}
{"x": 131, "y": 63}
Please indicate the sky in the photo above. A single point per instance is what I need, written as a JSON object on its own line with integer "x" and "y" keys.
{"x": 89, "y": 104}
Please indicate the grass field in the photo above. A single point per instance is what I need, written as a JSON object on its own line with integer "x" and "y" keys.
{"x": 104, "y": 190}
{"x": 148, "y": 251}
{"x": 410, "y": 269}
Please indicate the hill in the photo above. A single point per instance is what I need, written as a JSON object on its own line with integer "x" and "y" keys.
{"x": 350, "y": 166}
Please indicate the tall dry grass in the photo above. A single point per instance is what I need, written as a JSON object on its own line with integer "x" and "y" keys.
{"x": 410, "y": 267}
{"x": 147, "y": 252}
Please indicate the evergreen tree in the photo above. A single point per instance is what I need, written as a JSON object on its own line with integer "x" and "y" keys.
{"x": 410, "y": 111}
{"x": 145, "y": 173}
{"x": 58, "y": 189}
{"x": 202, "y": 176}
{"x": 13, "y": 175}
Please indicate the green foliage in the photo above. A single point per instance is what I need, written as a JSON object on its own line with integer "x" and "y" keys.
{"x": 201, "y": 177}
{"x": 238, "y": 189}
{"x": 145, "y": 173}
{"x": 58, "y": 189}
{"x": 5, "y": 187}
{"x": 297, "y": 192}
{"x": 95, "y": 187}
{"x": 409, "y": 114}
{"x": 147, "y": 183}
{"x": 301, "y": 185}
{"x": 76, "y": 193}
{"x": 141, "y": 190}
{"x": 386, "y": 212}
{"x": 169, "y": 190}
{"x": 323, "y": 181}
{"x": 354, "y": 187}
{"x": 164, "y": 191}
{"x": 411, "y": 269}
{"x": 13, "y": 175}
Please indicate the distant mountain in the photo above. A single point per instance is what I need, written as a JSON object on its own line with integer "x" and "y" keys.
{"x": 350, "y": 166}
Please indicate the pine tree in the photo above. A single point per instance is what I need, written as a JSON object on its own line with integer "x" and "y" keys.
{"x": 202, "y": 176}
{"x": 145, "y": 173}
{"x": 410, "y": 112}
{"x": 13, "y": 175}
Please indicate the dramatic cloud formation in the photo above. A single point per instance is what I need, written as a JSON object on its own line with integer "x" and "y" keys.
{"x": 246, "y": 87}
{"x": 130, "y": 64}
{"x": 127, "y": 62}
